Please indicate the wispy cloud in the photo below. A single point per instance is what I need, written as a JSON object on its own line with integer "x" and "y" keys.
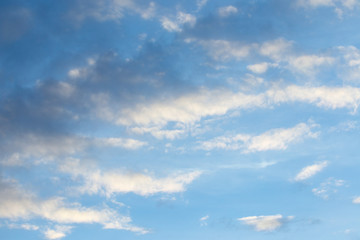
{"x": 275, "y": 139}
{"x": 17, "y": 204}
{"x": 117, "y": 181}
{"x": 356, "y": 200}
{"x": 310, "y": 171}
{"x": 328, "y": 187}
{"x": 266, "y": 223}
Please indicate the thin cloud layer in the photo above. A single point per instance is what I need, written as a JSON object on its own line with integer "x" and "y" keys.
{"x": 119, "y": 182}
{"x": 17, "y": 204}
{"x": 265, "y": 223}
{"x": 275, "y": 139}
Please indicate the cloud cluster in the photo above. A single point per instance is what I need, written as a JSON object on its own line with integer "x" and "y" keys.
{"x": 328, "y": 187}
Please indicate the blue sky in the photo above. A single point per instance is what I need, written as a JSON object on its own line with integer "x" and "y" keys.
{"x": 133, "y": 119}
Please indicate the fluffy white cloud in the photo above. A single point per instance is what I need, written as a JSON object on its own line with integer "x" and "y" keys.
{"x": 227, "y": 11}
{"x": 265, "y": 223}
{"x": 58, "y": 232}
{"x": 310, "y": 171}
{"x": 307, "y": 64}
{"x": 18, "y": 204}
{"x": 275, "y": 139}
{"x": 260, "y": 68}
{"x": 116, "y": 181}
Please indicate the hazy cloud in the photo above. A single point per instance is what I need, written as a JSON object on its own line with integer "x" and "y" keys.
{"x": 265, "y": 223}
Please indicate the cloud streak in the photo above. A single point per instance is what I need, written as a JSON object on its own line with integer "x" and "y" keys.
{"x": 265, "y": 223}
{"x": 309, "y": 171}
{"x": 275, "y": 139}
{"x": 120, "y": 182}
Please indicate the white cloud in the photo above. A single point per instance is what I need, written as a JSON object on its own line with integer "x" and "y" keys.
{"x": 116, "y": 181}
{"x": 57, "y": 233}
{"x": 265, "y": 223}
{"x": 127, "y": 143}
{"x": 307, "y": 64}
{"x": 227, "y": 11}
{"x": 356, "y": 200}
{"x": 175, "y": 25}
{"x": 278, "y": 139}
{"x": 275, "y": 139}
{"x": 170, "y": 25}
{"x": 160, "y": 133}
{"x": 259, "y": 68}
{"x": 310, "y": 171}
{"x": 190, "y": 108}
{"x": 327, "y": 97}
{"x": 17, "y": 203}
{"x": 330, "y": 186}
{"x": 277, "y": 49}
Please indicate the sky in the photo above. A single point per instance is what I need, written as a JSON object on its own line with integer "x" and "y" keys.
{"x": 204, "y": 119}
